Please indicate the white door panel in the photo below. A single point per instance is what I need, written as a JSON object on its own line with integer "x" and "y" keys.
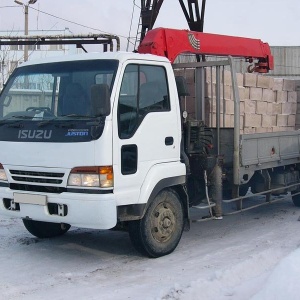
{"x": 148, "y": 129}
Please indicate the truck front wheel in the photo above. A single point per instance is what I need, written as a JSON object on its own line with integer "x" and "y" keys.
{"x": 45, "y": 229}
{"x": 159, "y": 231}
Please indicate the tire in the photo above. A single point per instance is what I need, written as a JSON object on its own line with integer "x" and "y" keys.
{"x": 296, "y": 199}
{"x": 45, "y": 229}
{"x": 159, "y": 231}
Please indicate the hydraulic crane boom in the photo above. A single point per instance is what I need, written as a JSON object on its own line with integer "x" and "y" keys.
{"x": 172, "y": 42}
{"x": 150, "y": 10}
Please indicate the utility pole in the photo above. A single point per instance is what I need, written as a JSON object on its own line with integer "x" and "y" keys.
{"x": 26, "y": 32}
{"x": 26, "y": 23}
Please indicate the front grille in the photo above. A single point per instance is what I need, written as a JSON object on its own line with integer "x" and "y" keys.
{"x": 37, "y": 180}
{"x": 39, "y": 174}
{"x": 37, "y": 177}
{"x": 37, "y": 188}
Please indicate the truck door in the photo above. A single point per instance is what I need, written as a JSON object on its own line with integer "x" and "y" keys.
{"x": 148, "y": 132}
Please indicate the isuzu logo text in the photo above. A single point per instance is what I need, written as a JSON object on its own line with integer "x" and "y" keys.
{"x": 35, "y": 134}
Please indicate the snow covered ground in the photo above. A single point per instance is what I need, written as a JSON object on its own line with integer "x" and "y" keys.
{"x": 254, "y": 255}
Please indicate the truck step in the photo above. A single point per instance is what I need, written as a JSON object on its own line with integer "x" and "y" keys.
{"x": 204, "y": 206}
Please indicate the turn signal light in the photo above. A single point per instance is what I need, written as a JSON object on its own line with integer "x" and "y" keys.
{"x": 2, "y": 174}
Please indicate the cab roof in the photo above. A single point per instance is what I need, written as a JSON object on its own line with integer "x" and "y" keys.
{"x": 120, "y": 56}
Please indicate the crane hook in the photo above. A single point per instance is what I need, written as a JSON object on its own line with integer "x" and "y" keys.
{"x": 251, "y": 68}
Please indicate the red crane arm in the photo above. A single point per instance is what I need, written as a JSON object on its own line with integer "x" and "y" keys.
{"x": 172, "y": 42}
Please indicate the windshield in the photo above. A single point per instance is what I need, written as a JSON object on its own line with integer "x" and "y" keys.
{"x": 58, "y": 91}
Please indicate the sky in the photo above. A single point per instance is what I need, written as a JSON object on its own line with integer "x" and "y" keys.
{"x": 273, "y": 21}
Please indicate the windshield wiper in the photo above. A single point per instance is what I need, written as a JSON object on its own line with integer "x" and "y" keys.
{"x": 59, "y": 123}
{"x": 76, "y": 116}
{"x": 61, "y": 119}
{"x": 20, "y": 117}
{"x": 14, "y": 121}
{"x": 96, "y": 120}
{"x": 46, "y": 122}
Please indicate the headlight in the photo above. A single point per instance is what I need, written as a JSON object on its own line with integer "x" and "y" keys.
{"x": 92, "y": 177}
{"x": 2, "y": 174}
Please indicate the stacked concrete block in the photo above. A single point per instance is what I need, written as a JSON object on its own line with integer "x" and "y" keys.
{"x": 265, "y": 82}
{"x": 288, "y": 85}
{"x": 266, "y": 104}
{"x": 250, "y": 80}
{"x": 252, "y": 120}
{"x": 287, "y": 119}
{"x": 227, "y": 103}
{"x": 278, "y": 84}
{"x": 297, "y": 90}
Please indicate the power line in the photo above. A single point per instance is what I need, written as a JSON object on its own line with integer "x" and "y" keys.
{"x": 72, "y": 22}
{"x": 75, "y": 23}
{"x": 9, "y": 6}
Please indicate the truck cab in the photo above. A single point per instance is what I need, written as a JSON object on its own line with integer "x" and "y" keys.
{"x": 91, "y": 140}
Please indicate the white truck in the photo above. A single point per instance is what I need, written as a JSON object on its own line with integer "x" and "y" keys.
{"x": 97, "y": 139}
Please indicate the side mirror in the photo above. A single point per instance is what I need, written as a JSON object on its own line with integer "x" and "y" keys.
{"x": 100, "y": 100}
{"x": 181, "y": 86}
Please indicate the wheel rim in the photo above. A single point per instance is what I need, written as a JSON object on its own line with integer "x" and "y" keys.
{"x": 163, "y": 222}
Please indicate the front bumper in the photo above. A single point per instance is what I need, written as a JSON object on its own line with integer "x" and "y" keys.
{"x": 96, "y": 211}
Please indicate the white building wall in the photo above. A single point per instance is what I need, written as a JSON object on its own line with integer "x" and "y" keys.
{"x": 11, "y": 56}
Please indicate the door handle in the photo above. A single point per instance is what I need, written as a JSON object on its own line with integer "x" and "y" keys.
{"x": 169, "y": 140}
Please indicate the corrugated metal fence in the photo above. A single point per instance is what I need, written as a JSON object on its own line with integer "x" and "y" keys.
{"x": 286, "y": 61}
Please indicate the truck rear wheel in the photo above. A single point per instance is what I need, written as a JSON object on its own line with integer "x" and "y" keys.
{"x": 45, "y": 229}
{"x": 296, "y": 199}
{"x": 159, "y": 231}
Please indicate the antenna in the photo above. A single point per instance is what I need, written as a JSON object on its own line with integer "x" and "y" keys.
{"x": 37, "y": 17}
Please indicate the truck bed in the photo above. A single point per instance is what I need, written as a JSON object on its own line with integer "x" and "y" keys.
{"x": 270, "y": 149}
{"x": 261, "y": 150}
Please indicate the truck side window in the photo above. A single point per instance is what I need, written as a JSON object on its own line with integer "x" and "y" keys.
{"x": 144, "y": 90}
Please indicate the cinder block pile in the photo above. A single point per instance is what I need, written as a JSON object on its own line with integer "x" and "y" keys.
{"x": 297, "y": 88}
{"x": 275, "y": 102}
{"x": 266, "y": 104}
